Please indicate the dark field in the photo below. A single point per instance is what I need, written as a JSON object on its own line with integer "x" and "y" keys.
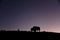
{"x": 39, "y": 35}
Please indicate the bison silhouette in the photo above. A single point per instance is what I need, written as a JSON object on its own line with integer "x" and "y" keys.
{"x": 35, "y": 29}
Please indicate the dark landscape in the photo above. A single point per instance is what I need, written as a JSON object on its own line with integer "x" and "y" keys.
{"x": 43, "y": 35}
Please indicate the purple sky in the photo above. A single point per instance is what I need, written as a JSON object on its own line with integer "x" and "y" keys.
{"x": 24, "y": 14}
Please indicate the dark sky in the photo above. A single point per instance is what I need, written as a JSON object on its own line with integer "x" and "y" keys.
{"x": 24, "y": 14}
